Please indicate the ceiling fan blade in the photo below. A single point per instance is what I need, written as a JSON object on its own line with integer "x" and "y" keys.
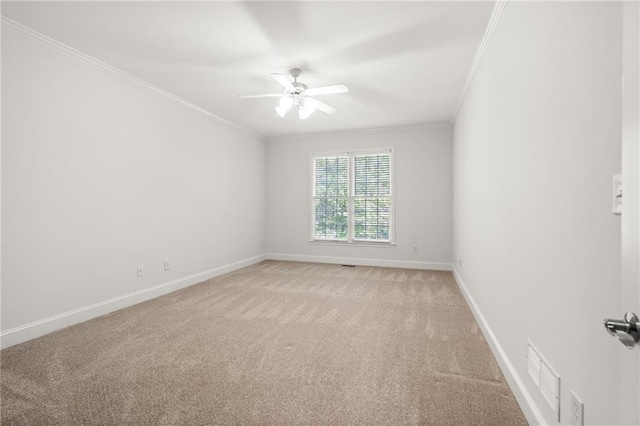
{"x": 266, "y": 95}
{"x": 324, "y": 107}
{"x": 327, "y": 90}
{"x": 284, "y": 81}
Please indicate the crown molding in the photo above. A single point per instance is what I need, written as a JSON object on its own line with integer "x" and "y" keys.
{"x": 57, "y": 46}
{"x": 496, "y": 14}
{"x": 417, "y": 126}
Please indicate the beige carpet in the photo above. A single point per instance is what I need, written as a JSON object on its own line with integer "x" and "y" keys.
{"x": 276, "y": 343}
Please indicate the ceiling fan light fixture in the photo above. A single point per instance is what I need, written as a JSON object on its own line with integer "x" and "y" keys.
{"x": 297, "y": 93}
{"x": 281, "y": 111}
{"x": 306, "y": 109}
{"x": 284, "y": 106}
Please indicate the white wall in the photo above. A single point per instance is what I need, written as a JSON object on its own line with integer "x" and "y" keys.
{"x": 536, "y": 144}
{"x": 100, "y": 175}
{"x": 423, "y": 196}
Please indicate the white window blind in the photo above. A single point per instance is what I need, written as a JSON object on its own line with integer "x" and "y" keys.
{"x": 352, "y": 197}
{"x": 372, "y": 196}
{"x": 331, "y": 197}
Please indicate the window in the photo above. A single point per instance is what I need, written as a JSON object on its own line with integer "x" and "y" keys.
{"x": 352, "y": 197}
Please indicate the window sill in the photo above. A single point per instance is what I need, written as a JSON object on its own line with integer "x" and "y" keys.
{"x": 385, "y": 244}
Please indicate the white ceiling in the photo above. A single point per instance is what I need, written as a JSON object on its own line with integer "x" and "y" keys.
{"x": 404, "y": 62}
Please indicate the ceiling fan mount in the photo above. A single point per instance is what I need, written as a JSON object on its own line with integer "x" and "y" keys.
{"x": 296, "y": 93}
{"x": 295, "y": 73}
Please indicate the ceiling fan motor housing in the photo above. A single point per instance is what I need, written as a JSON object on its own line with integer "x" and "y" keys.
{"x": 300, "y": 87}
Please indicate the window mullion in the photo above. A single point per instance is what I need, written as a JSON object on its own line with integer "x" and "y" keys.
{"x": 351, "y": 193}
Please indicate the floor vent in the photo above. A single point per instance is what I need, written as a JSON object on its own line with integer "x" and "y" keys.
{"x": 546, "y": 379}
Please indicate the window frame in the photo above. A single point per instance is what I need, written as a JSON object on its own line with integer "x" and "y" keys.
{"x": 350, "y": 240}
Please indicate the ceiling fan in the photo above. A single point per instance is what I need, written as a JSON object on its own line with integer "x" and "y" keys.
{"x": 296, "y": 93}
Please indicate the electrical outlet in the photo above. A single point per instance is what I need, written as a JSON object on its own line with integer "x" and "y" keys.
{"x": 261, "y": 244}
{"x": 577, "y": 410}
{"x": 167, "y": 266}
{"x": 139, "y": 271}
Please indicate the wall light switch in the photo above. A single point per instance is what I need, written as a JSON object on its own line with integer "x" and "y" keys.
{"x": 617, "y": 194}
{"x": 167, "y": 266}
{"x": 139, "y": 271}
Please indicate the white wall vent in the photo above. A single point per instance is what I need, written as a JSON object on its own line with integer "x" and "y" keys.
{"x": 545, "y": 378}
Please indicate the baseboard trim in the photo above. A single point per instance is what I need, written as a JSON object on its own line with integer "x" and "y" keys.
{"x": 39, "y": 328}
{"x": 526, "y": 402}
{"x": 435, "y": 266}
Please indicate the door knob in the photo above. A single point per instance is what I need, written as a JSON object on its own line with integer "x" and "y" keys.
{"x": 626, "y": 330}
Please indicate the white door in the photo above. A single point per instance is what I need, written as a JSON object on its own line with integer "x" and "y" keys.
{"x": 630, "y": 220}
